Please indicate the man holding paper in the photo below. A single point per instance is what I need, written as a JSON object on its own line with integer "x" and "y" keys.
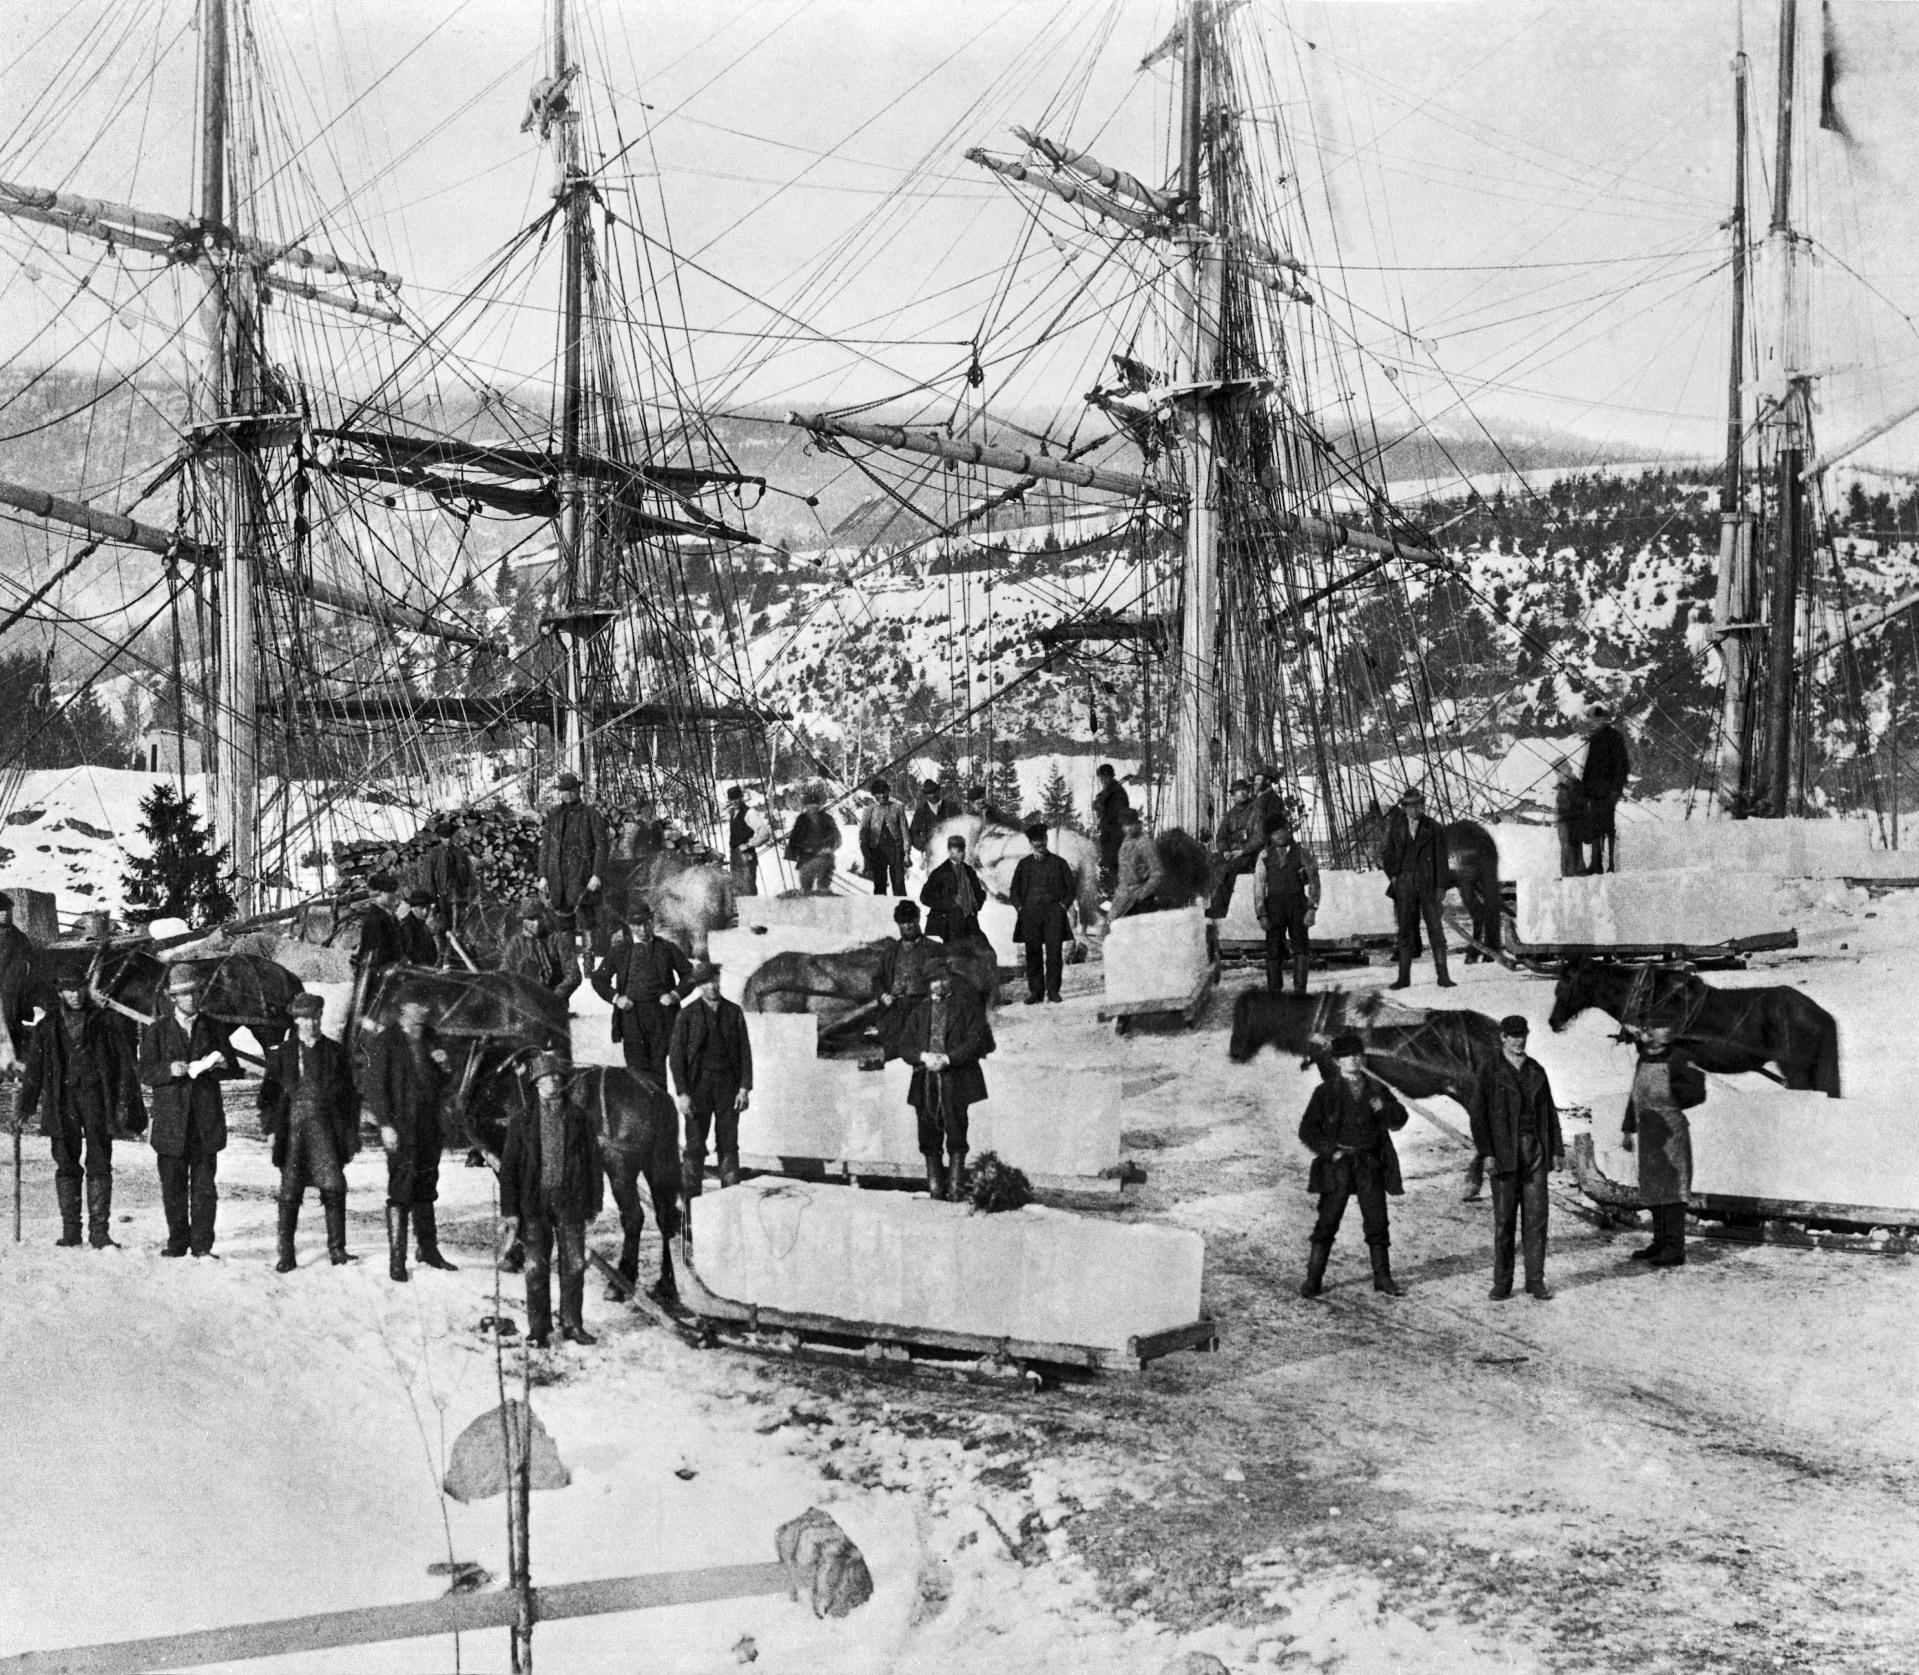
{"x": 184, "y": 1057}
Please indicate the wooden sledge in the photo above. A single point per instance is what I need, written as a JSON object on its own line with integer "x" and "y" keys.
{"x": 1712, "y": 956}
{"x": 889, "y": 1171}
{"x": 1120, "y": 1013}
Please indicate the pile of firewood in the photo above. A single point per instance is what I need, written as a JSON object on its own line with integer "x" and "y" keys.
{"x": 503, "y": 846}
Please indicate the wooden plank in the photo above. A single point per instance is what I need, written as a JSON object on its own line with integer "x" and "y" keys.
{"x": 892, "y": 1169}
{"x": 1764, "y": 943}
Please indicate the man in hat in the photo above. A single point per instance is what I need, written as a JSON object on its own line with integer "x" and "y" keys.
{"x": 1348, "y": 1127}
{"x": 547, "y": 956}
{"x": 943, "y": 1036}
{"x": 1236, "y": 847}
{"x": 883, "y": 841}
{"x": 1666, "y": 1084}
{"x": 1110, "y": 807}
{"x": 77, "y": 1076}
{"x": 1516, "y": 1128}
{"x": 1286, "y": 899}
{"x": 747, "y": 833}
{"x": 406, "y": 1077}
{"x": 418, "y": 945}
{"x": 381, "y": 941}
{"x": 909, "y": 962}
{"x": 931, "y": 807}
{"x": 811, "y": 845}
{"x": 446, "y": 870}
{"x": 712, "y": 1063}
{"x": 310, "y": 1112}
{"x": 1043, "y": 892}
{"x": 16, "y": 949}
{"x": 184, "y": 1057}
{"x": 1603, "y": 779}
{"x": 574, "y": 846}
{"x": 1416, "y": 870}
{"x": 551, "y": 1186}
{"x": 1140, "y": 870}
{"x": 644, "y": 977}
{"x": 953, "y": 895}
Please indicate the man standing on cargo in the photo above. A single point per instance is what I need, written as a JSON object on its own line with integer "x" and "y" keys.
{"x": 712, "y": 1063}
{"x": 943, "y": 1037}
{"x": 644, "y": 977}
{"x": 883, "y": 841}
{"x": 1286, "y": 899}
{"x": 1415, "y": 865}
{"x": 574, "y": 846}
{"x": 812, "y": 843}
{"x": 551, "y": 1186}
{"x": 1348, "y": 1127}
{"x": 1516, "y": 1129}
{"x": 746, "y": 834}
{"x": 1110, "y": 805}
{"x": 1603, "y": 779}
{"x": 1043, "y": 892}
{"x": 1236, "y": 847}
{"x": 184, "y": 1057}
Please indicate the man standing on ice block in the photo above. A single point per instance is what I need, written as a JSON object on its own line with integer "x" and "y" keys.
{"x": 943, "y": 1037}
{"x": 184, "y": 1057}
{"x": 1044, "y": 890}
{"x": 551, "y": 1186}
{"x": 1603, "y": 780}
{"x": 1415, "y": 866}
{"x": 1665, "y": 1086}
{"x": 1516, "y": 1126}
{"x": 574, "y": 849}
{"x": 712, "y": 1063}
{"x": 1286, "y": 900}
{"x": 1348, "y": 1127}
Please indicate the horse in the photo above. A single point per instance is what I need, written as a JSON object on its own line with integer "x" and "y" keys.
{"x": 839, "y": 987}
{"x": 1472, "y": 868}
{"x": 689, "y": 896}
{"x": 638, "y": 1130}
{"x": 1725, "y": 1030}
{"x": 1415, "y": 1052}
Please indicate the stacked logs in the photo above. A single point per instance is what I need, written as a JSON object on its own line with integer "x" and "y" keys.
{"x": 504, "y": 847}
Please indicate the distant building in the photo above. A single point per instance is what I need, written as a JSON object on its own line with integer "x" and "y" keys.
{"x": 160, "y": 752}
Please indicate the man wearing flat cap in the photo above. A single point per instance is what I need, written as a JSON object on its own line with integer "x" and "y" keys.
{"x": 1348, "y": 1127}
{"x": 447, "y": 872}
{"x": 406, "y": 1076}
{"x": 1416, "y": 870}
{"x": 551, "y": 1186}
{"x": 712, "y": 1063}
{"x": 1516, "y": 1130}
{"x": 184, "y": 1057}
{"x": 1236, "y": 847}
{"x": 80, "y": 1078}
{"x": 534, "y": 950}
{"x": 644, "y": 977}
{"x": 382, "y": 946}
{"x": 1043, "y": 892}
{"x": 574, "y": 848}
{"x": 308, "y": 1109}
{"x": 418, "y": 945}
{"x": 931, "y": 807}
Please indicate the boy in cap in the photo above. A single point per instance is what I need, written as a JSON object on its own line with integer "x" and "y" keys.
{"x": 1348, "y": 1127}
{"x": 310, "y": 1112}
{"x": 1043, "y": 891}
{"x": 1416, "y": 869}
{"x": 184, "y": 1057}
{"x": 712, "y": 1063}
{"x": 1516, "y": 1128}
{"x": 77, "y": 1077}
{"x": 551, "y": 1186}
{"x": 644, "y": 977}
{"x": 574, "y": 846}
{"x": 418, "y": 945}
{"x": 546, "y": 956}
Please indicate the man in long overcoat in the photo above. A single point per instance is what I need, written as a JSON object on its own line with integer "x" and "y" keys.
{"x": 1043, "y": 891}
{"x": 1666, "y": 1084}
{"x": 1416, "y": 867}
{"x": 1608, "y": 767}
{"x": 312, "y": 1115}
{"x": 547, "y": 956}
{"x": 79, "y": 1076}
{"x": 406, "y": 1077}
{"x": 574, "y": 846}
{"x": 943, "y": 1036}
{"x": 418, "y": 945}
{"x": 382, "y": 945}
{"x": 1348, "y": 1127}
{"x": 1516, "y": 1130}
{"x": 931, "y": 807}
{"x": 551, "y": 1186}
{"x": 644, "y": 977}
{"x": 712, "y": 1063}
{"x": 953, "y": 895}
{"x": 184, "y": 1057}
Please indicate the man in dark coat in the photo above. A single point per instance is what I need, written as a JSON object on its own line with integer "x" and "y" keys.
{"x": 406, "y": 1077}
{"x": 574, "y": 846}
{"x": 382, "y": 945}
{"x": 77, "y": 1076}
{"x": 943, "y": 1037}
{"x": 1416, "y": 868}
{"x": 1516, "y": 1129}
{"x": 953, "y": 895}
{"x": 16, "y": 955}
{"x": 1348, "y": 1127}
{"x": 418, "y": 945}
{"x": 1043, "y": 892}
{"x": 1266, "y": 797}
{"x": 746, "y": 834}
{"x": 1110, "y": 805}
{"x": 883, "y": 842}
{"x": 644, "y": 977}
{"x": 712, "y": 1063}
{"x": 551, "y": 1186}
{"x": 1236, "y": 847}
{"x": 447, "y": 873}
{"x": 1666, "y": 1084}
{"x": 928, "y": 810}
{"x": 1603, "y": 779}
{"x": 310, "y": 1112}
{"x": 811, "y": 845}
{"x": 184, "y": 1057}
{"x": 1286, "y": 900}
{"x": 547, "y": 956}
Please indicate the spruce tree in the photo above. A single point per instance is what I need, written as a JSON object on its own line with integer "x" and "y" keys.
{"x": 1002, "y": 784}
{"x": 1056, "y": 804}
{"x": 183, "y": 877}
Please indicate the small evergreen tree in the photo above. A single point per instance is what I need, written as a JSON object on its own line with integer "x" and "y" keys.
{"x": 946, "y": 753}
{"x": 1056, "y": 804}
{"x": 1002, "y": 784}
{"x": 183, "y": 878}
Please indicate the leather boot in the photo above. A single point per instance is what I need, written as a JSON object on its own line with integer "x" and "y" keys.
{"x": 1383, "y": 1272}
{"x": 396, "y": 1244}
{"x": 1443, "y": 978}
{"x": 1316, "y": 1257}
{"x": 1405, "y": 978}
{"x": 956, "y": 1175}
{"x": 1672, "y": 1249}
{"x": 100, "y": 1212}
{"x": 1646, "y": 1253}
{"x": 334, "y": 1206}
{"x": 67, "y": 1189}
{"x": 730, "y": 1169}
{"x": 426, "y": 1234}
{"x": 1299, "y": 974}
{"x": 289, "y": 1223}
{"x": 539, "y": 1309}
{"x": 935, "y": 1177}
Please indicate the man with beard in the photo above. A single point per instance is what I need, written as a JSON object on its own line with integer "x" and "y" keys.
{"x": 184, "y": 1057}
{"x": 1043, "y": 891}
{"x": 310, "y": 1112}
{"x": 644, "y": 977}
{"x": 547, "y": 956}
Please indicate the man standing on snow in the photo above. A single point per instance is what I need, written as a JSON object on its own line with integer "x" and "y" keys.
{"x": 953, "y": 895}
{"x": 1348, "y": 1127}
{"x": 309, "y": 1111}
{"x": 406, "y": 1077}
{"x": 184, "y": 1057}
{"x": 1665, "y": 1086}
{"x": 1516, "y": 1128}
{"x": 551, "y": 1186}
{"x": 1416, "y": 867}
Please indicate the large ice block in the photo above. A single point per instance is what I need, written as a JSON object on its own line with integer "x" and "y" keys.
{"x": 1350, "y": 904}
{"x": 1527, "y": 851}
{"x": 1776, "y": 848}
{"x": 1037, "y": 1275}
{"x": 861, "y": 918}
{"x": 1156, "y": 956}
{"x": 1672, "y": 908}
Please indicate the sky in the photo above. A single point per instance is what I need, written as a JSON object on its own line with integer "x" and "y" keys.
{"x": 1517, "y": 207}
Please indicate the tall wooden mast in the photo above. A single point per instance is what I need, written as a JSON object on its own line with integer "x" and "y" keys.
{"x": 1736, "y": 608}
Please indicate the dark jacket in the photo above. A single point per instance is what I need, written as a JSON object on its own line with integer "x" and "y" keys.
{"x": 381, "y": 943}
{"x": 1285, "y": 880}
{"x": 16, "y": 962}
{"x": 1109, "y": 807}
{"x": 815, "y": 832}
{"x": 447, "y": 870}
{"x": 943, "y": 919}
{"x": 907, "y": 969}
{"x": 582, "y": 1180}
{"x": 967, "y": 1037}
{"x": 1608, "y": 764}
{"x": 642, "y": 971}
{"x": 176, "y": 1097}
{"x": 573, "y": 848}
{"x": 1242, "y": 834}
{"x": 1688, "y": 1084}
{"x": 1044, "y": 888}
{"x": 1416, "y": 859}
{"x": 1505, "y": 1103}
{"x": 404, "y": 1083}
{"x": 288, "y": 1067}
{"x": 1379, "y": 1115}
{"x": 104, "y": 1070}
{"x": 927, "y": 814}
{"x": 549, "y": 959}
{"x": 710, "y": 1041}
{"x": 417, "y": 946}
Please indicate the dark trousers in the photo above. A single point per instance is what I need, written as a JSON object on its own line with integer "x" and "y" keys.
{"x": 714, "y": 1110}
{"x": 1227, "y": 872}
{"x": 413, "y": 1170}
{"x": 1354, "y": 1177}
{"x": 1045, "y": 965}
{"x": 644, "y": 1034}
{"x": 1286, "y": 941}
{"x": 540, "y": 1238}
{"x": 942, "y": 1119}
{"x": 1410, "y": 908}
{"x": 816, "y": 874}
{"x": 189, "y": 1197}
{"x": 746, "y": 872}
{"x": 1109, "y": 842}
{"x": 84, "y": 1136}
{"x": 886, "y": 868}
{"x": 1519, "y": 1199}
{"x": 311, "y": 1160}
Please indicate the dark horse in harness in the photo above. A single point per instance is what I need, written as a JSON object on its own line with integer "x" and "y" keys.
{"x": 839, "y": 987}
{"x": 1725, "y": 1030}
{"x": 1472, "y": 868}
{"x": 1414, "y": 1051}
